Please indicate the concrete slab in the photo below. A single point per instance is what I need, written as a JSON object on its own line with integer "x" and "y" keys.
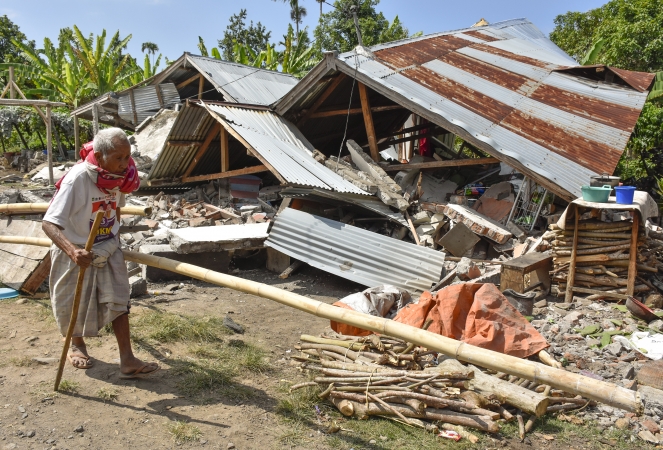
{"x": 217, "y": 261}
{"x": 217, "y": 239}
{"x": 478, "y": 223}
{"x": 459, "y": 240}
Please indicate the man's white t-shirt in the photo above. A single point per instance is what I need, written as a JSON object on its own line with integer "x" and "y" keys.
{"x": 74, "y": 206}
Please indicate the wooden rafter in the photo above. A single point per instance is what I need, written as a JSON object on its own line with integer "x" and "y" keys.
{"x": 202, "y": 149}
{"x": 231, "y": 173}
{"x": 188, "y": 81}
{"x": 342, "y": 112}
{"x": 441, "y": 164}
{"x": 331, "y": 88}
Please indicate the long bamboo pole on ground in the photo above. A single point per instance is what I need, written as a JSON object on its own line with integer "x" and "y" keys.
{"x": 77, "y": 298}
{"x": 601, "y": 391}
{"x": 40, "y": 208}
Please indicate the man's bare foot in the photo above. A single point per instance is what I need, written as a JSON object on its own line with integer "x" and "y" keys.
{"x": 133, "y": 367}
{"x": 78, "y": 356}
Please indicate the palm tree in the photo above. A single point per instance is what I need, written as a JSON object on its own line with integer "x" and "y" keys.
{"x": 151, "y": 47}
{"x": 321, "y": 2}
{"x": 297, "y": 13}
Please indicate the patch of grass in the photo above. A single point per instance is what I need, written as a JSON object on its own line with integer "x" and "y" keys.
{"x": 68, "y": 386}
{"x": 215, "y": 367}
{"x": 184, "y": 432}
{"x": 299, "y": 404}
{"x": 163, "y": 327}
{"x": 107, "y": 394}
{"x": 23, "y": 361}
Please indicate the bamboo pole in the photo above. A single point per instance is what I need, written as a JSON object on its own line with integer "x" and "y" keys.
{"x": 77, "y": 298}
{"x": 40, "y": 208}
{"x": 601, "y": 391}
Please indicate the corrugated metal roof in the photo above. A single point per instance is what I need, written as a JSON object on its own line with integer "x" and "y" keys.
{"x": 353, "y": 253}
{"x": 512, "y": 92}
{"x": 244, "y": 84}
{"x": 282, "y": 145}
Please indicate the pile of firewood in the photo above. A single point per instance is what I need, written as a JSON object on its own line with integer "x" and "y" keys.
{"x": 387, "y": 377}
{"x": 602, "y": 258}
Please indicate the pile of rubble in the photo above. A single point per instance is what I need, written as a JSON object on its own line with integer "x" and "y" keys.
{"x": 592, "y": 338}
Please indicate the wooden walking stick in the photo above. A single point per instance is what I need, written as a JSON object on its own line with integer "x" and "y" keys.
{"x": 77, "y": 297}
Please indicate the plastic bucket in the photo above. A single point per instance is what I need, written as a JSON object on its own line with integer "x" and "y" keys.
{"x": 624, "y": 194}
{"x": 596, "y": 194}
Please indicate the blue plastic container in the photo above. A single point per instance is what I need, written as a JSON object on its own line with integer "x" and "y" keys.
{"x": 624, "y": 194}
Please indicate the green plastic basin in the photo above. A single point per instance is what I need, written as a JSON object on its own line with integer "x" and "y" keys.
{"x": 596, "y": 194}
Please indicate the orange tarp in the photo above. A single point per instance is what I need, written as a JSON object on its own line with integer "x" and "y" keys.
{"x": 475, "y": 313}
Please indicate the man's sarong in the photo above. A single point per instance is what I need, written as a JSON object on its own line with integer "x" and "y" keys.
{"x": 105, "y": 294}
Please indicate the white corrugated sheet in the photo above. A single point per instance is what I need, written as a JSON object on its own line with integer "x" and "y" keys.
{"x": 353, "y": 253}
{"x": 245, "y": 84}
{"x": 283, "y": 146}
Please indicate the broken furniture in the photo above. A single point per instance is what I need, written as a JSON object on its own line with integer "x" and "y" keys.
{"x": 527, "y": 207}
{"x": 515, "y": 273}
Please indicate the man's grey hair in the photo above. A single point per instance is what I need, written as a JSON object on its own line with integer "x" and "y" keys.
{"x": 106, "y": 140}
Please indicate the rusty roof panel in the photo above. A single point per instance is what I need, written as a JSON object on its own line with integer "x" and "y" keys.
{"x": 488, "y": 72}
{"x": 640, "y": 81}
{"x": 511, "y": 55}
{"x": 421, "y": 51}
{"x": 485, "y": 106}
{"x": 483, "y": 36}
{"x": 611, "y": 114}
{"x": 499, "y": 84}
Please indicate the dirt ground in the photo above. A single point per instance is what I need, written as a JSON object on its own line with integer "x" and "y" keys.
{"x": 140, "y": 413}
{"x": 102, "y": 411}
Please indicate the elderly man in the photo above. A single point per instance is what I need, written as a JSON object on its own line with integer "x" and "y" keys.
{"x": 99, "y": 182}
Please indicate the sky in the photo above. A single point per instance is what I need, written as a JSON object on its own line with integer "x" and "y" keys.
{"x": 174, "y": 25}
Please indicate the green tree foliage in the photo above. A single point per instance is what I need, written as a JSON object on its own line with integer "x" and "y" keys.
{"x": 296, "y": 58}
{"x": 631, "y": 31}
{"x": 256, "y": 37}
{"x": 336, "y": 30}
{"x": 9, "y": 32}
{"x": 104, "y": 64}
{"x": 151, "y": 49}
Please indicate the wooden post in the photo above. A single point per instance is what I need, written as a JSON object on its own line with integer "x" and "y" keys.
{"x": 77, "y": 137}
{"x": 633, "y": 253}
{"x": 95, "y": 119}
{"x": 201, "y": 86}
{"x": 368, "y": 121}
{"x": 12, "y": 91}
{"x": 574, "y": 253}
{"x": 49, "y": 144}
{"x": 133, "y": 106}
{"x": 225, "y": 157}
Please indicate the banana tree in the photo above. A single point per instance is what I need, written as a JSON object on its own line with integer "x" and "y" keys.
{"x": 296, "y": 58}
{"x": 55, "y": 72}
{"x": 148, "y": 70}
{"x": 203, "y": 49}
{"x": 108, "y": 69}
